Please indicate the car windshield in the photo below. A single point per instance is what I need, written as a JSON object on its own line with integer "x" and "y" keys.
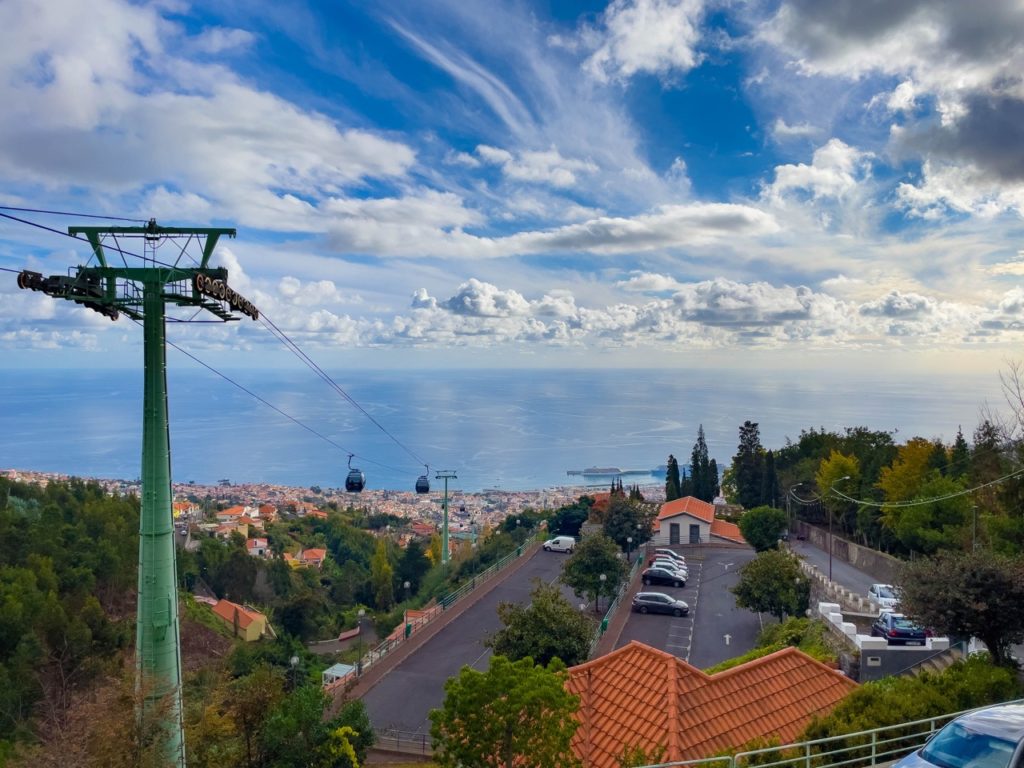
{"x": 903, "y": 623}
{"x": 885, "y": 591}
{"x": 956, "y": 746}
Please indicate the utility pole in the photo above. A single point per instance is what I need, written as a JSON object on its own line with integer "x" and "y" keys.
{"x": 446, "y": 475}
{"x": 141, "y": 293}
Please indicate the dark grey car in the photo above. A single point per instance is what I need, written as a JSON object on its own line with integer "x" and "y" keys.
{"x": 659, "y": 602}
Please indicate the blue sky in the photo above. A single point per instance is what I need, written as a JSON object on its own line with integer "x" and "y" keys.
{"x": 643, "y": 182}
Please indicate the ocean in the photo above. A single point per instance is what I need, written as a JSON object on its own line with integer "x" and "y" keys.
{"x": 508, "y": 429}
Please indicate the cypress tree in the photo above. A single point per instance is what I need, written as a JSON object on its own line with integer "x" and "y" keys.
{"x": 748, "y": 464}
{"x": 713, "y": 478}
{"x": 672, "y": 479}
{"x": 960, "y": 456}
{"x": 699, "y": 468}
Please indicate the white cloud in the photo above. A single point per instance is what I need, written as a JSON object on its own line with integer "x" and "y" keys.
{"x": 782, "y": 131}
{"x": 215, "y": 40}
{"x": 648, "y": 282}
{"x": 835, "y": 171}
{"x": 644, "y": 36}
{"x": 542, "y": 167}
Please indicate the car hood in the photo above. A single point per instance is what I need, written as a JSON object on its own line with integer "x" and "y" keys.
{"x": 913, "y": 760}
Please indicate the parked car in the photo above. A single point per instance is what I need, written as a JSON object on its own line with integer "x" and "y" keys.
{"x": 670, "y": 565}
{"x": 897, "y": 629}
{"x": 884, "y": 595}
{"x": 659, "y": 602}
{"x": 662, "y": 552}
{"x": 984, "y": 738}
{"x": 656, "y": 575}
{"x": 560, "y": 544}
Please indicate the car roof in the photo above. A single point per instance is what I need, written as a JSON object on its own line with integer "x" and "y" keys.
{"x": 659, "y": 594}
{"x": 1004, "y": 720}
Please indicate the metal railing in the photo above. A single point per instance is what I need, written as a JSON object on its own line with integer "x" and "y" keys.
{"x": 613, "y": 606}
{"x": 376, "y": 654}
{"x": 874, "y": 747}
{"x": 407, "y": 742}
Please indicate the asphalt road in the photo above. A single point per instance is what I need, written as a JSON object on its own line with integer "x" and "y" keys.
{"x": 715, "y": 629}
{"x": 842, "y": 572}
{"x": 404, "y": 697}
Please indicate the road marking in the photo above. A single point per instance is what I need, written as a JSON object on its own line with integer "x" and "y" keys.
{"x": 728, "y": 637}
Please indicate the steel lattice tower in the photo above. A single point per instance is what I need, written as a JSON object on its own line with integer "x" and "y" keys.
{"x": 142, "y": 294}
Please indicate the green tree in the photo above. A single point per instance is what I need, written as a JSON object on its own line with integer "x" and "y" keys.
{"x": 748, "y": 466}
{"x": 413, "y": 566}
{"x": 567, "y": 520}
{"x": 979, "y": 594}
{"x": 593, "y": 557}
{"x": 713, "y": 483}
{"x": 628, "y": 519}
{"x": 251, "y": 699}
{"x": 893, "y": 700}
{"x": 838, "y": 474}
{"x": 700, "y": 468}
{"x": 761, "y": 527}
{"x": 773, "y": 583}
{"x": 959, "y": 456}
{"x": 516, "y": 714}
{"x": 548, "y": 627}
{"x": 382, "y": 575}
{"x": 672, "y": 486}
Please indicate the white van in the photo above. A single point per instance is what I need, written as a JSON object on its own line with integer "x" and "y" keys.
{"x": 560, "y": 544}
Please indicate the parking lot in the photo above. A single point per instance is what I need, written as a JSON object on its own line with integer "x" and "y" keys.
{"x": 715, "y": 629}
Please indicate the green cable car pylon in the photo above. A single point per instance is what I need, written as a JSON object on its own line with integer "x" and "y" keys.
{"x": 446, "y": 475}
{"x": 142, "y": 294}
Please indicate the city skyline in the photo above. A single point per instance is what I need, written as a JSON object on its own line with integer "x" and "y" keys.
{"x": 635, "y": 183}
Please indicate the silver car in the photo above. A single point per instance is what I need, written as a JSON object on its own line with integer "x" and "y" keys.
{"x": 984, "y": 738}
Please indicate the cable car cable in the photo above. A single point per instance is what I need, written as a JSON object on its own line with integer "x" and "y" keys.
{"x": 67, "y": 213}
{"x": 275, "y": 408}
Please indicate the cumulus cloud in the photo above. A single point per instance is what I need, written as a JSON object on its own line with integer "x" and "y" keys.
{"x": 100, "y": 113}
{"x": 478, "y": 299}
{"x": 649, "y": 282}
{"x": 540, "y": 167}
{"x": 896, "y": 304}
{"x": 782, "y": 131}
{"x": 959, "y": 100}
{"x": 644, "y": 36}
{"x": 835, "y": 171}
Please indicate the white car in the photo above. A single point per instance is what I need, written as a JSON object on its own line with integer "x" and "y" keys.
{"x": 671, "y": 555}
{"x": 884, "y": 595}
{"x": 560, "y": 544}
{"x": 670, "y": 565}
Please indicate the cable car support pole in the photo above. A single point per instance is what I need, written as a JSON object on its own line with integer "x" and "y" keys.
{"x": 113, "y": 291}
{"x": 446, "y": 475}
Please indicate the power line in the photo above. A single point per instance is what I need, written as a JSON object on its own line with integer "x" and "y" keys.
{"x": 275, "y": 330}
{"x": 66, "y": 213}
{"x": 298, "y": 352}
{"x": 274, "y": 407}
{"x": 920, "y": 502}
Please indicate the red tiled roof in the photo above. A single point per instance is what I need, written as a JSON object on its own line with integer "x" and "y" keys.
{"x": 268, "y": 509}
{"x": 317, "y": 513}
{"x": 640, "y": 695}
{"x": 313, "y": 555}
{"x": 231, "y": 512}
{"x": 689, "y": 505}
{"x": 226, "y": 610}
{"x": 725, "y": 530}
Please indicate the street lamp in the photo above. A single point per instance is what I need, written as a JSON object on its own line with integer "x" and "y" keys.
{"x": 830, "y": 539}
{"x": 597, "y": 600}
{"x": 629, "y": 546}
{"x": 406, "y": 584}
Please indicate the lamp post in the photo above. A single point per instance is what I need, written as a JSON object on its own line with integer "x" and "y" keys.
{"x": 830, "y": 539}
{"x": 974, "y": 529}
{"x": 406, "y": 584}
{"x": 629, "y": 547}
{"x": 597, "y": 600}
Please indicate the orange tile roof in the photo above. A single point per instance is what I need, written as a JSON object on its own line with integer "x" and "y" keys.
{"x": 689, "y": 505}
{"x": 641, "y": 695}
{"x": 317, "y": 513}
{"x": 725, "y": 530}
{"x": 602, "y": 500}
{"x": 311, "y": 555}
{"x": 226, "y": 610}
{"x": 231, "y": 512}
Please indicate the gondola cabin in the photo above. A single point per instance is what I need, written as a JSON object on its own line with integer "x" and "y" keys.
{"x": 422, "y": 484}
{"x": 356, "y": 481}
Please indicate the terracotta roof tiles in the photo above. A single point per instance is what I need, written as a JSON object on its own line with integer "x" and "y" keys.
{"x": 640, "y": 695}
{"x": 725, "y": 530}
{"x": 689, "y": 505}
